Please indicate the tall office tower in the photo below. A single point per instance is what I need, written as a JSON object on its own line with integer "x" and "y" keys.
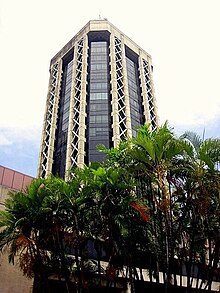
{"x": 100, "y": 91}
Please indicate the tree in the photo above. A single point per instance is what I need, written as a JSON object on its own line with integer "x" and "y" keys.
{"x": 32, "y": 227}
{"x": 154, "y": 204}
{"x": 200, "y": 209}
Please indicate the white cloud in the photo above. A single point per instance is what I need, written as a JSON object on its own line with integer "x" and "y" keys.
{"x": 13, "y": 135}
{"x": 4, "y": 140}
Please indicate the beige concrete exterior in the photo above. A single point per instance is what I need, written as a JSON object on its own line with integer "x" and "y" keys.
{"x": 71, "y": 112}
{"x": 114, "y": 102}
{"x": 144, "y": 89}
{"x": 50, "y": 118}
{"x": 119, "y": 127}
{"x": 12, "y": 279}
{"x": 82, "y": 118}
{"x": 126, "y": 93}
{"x": 3, "y": 195}
{"x": 98, "y": 25}
{"x": 54, "y": 118}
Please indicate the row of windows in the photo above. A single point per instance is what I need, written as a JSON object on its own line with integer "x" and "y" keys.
{"x": 130, "y": 68}
{"x": 132, "y": 75}
{"x": 67, "y": 91}
{"x": 99, "y": 100}
{"x": 65, "y": 126}
{"x": 98, "y": 44}
{"x": 98, "y": 96}
{"x": 66, "y": 98}
{"x": 69, "y": 77}
{"x": 97, "y": 131}
{"x": 94, "y": 76}
{"x": 132, "y": 84}
{"x": 68, "y": 74}
{"x": 66, "y": 104}
{"x": 132, "y": 72}
{"x": 130, "y": 64}
{"x": 60, "y": 146}
{"x": 98, "y": 66}
{"x": 68, "y": 86}
{"x": 98, "y": 119}
{"x": 93, "y": 107}
{"x": 98, "y": 107}
{"x": 133, "y": 96}
{"x": 133, "y": 89}
{"x": 99, "y": 57}
{"x": 101, "y": 96}
{"x": 69, "y": 81}
{"x": 135, "y": 115}
{"x": 99, "y": 50}
{"x": 93, "y": 119}
{"x": 134, "y": 103}
{"x": 97, "y": 76}
{"x": 66, "y": 119}
{"x": 62, "y": 139}
{"x": 70, "y": 64}
{"x": 129, "y": 61}
{"x": 65, "y": 115}
{"x": 99, "y": 86}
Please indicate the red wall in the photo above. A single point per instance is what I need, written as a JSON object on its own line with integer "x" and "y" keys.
{"x": 13, "y": 179}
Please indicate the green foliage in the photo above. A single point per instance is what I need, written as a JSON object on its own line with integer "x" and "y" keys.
{"x": 154, "y": 201}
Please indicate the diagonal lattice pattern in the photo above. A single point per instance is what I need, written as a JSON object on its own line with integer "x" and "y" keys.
{"x": 120, "y": 89}
{"x": 150, "y": 95}
{"x": 76, "y": 103}
{"x": 49, "y": 119}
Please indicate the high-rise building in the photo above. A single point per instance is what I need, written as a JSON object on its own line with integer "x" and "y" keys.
{"x": 100, "y": 91}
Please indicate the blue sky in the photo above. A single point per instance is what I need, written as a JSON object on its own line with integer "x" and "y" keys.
{"x": 182, "y": 37}
{"x": 20, "y": 150}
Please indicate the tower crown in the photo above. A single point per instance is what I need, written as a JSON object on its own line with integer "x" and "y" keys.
{"x": 95, "y": 26}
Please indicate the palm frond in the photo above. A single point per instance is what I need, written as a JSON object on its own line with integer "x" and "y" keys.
{"x": 192, "y": 138}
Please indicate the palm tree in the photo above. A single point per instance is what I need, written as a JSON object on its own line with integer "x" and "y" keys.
{"x": 156, "y": 157}
{"x": 20, "y": 223}
{"x": 32, "y": 227}
{"x": 201, "y": 207}
{"x": 113, "y": 194}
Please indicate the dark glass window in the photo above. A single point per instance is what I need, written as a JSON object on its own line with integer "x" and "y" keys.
{"x": 136, "y": 108}
{"x": 98, "y": 96}
{"x": 58, "y": 167}
{"x": 99, "y": 117}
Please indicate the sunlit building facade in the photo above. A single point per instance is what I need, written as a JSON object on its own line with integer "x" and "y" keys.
{"x": 100, "y": 90}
